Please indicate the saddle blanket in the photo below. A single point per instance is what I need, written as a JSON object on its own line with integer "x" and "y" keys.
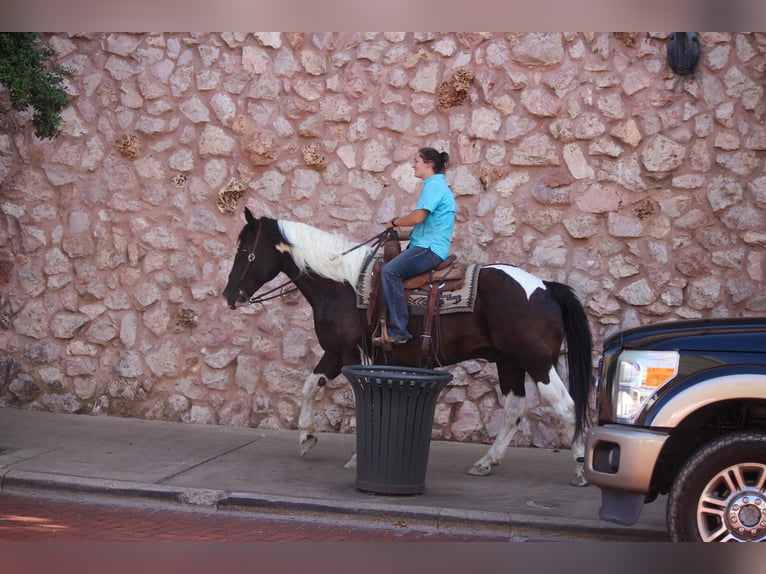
{"x": 460, "y": 301}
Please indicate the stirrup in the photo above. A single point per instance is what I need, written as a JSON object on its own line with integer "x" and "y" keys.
{"x": 382, "y": 340}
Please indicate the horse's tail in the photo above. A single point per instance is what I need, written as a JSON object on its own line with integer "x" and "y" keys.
{"x": 579, "y": 348}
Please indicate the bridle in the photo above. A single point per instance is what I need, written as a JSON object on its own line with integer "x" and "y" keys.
{"x": 268, "y": 295}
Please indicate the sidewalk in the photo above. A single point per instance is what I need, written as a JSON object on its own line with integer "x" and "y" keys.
{"x": 262, "y": 471}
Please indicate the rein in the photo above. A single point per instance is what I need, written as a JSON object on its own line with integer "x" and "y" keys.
{"x": 380, "y": 237}
{"x": 268, "y": 295}
{"x": 378, "y": 241}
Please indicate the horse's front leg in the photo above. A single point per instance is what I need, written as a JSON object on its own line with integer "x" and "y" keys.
{"x": 314, "y": 382}
{"x": 557, "y": 396}
{"x": 327, "y": 369}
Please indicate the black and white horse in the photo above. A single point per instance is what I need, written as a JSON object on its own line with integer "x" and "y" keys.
{"x": 519, "y": 322}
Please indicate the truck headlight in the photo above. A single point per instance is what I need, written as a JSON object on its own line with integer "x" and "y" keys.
{"x": 639, "y": 375}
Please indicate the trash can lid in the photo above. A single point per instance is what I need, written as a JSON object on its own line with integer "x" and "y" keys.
{"x": 397, "y": 372}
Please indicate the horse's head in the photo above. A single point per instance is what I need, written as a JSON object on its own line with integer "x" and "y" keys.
{"x": 257, "y": 260}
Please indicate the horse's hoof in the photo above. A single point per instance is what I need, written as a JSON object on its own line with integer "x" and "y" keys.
{"x": 480, "y": 470}
{"x": 579, "y": 475}
{"x": 308, "y": 443}
{"x": 579, "y": 481}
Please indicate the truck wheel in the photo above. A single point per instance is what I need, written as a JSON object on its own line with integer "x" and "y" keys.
{"x": 720, "y": 493}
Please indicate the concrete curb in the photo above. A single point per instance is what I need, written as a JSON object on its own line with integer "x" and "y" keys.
{"x": 437, "y": 518}
{"x": 440, "y": 518}
{"x": 18, "y": 481}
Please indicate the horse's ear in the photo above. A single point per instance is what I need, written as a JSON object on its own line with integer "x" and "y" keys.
{"x": 249, "y": 217}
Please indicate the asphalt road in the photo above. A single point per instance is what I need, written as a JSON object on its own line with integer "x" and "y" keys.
{"x": 183, "y": 534}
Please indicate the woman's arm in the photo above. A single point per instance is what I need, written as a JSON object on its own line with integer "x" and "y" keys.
{"x": 409, "y": 220}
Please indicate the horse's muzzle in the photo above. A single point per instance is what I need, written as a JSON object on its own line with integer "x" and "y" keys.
{"x": 240, "y": 299}
{"x": 234, "y": 298}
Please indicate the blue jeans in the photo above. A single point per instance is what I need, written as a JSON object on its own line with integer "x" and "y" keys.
{"x": 408, "y": 263}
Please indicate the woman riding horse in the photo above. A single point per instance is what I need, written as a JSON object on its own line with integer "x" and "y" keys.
{"x": 433, "y": 220}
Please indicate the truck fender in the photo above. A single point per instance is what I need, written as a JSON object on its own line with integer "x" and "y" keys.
{"x": 671, "y": 412}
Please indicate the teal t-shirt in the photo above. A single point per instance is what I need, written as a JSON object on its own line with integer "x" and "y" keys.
{"x": 435, "y": 232}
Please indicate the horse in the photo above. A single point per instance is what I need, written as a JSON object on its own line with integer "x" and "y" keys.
{"x": 519, "y": 322}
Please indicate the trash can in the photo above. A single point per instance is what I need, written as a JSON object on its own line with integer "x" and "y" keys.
{"x": 394, "y": 416}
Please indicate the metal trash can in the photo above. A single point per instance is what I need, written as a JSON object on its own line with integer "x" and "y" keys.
{"x": 394, "y": 417}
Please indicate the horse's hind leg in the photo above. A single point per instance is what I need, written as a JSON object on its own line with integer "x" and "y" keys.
{"x": 515, "y": 408}
{"x": 556, "y": 395}
{"x": 511, "y": 380}
{"x": 311, "y": 387}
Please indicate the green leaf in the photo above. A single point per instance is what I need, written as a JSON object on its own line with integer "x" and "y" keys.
{"x": 34, "y": 80}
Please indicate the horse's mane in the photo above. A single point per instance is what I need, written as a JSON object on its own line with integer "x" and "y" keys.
{"x": 321, "y": 252}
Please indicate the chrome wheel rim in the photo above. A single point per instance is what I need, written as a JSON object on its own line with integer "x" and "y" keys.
{"x": 732, "y": 506}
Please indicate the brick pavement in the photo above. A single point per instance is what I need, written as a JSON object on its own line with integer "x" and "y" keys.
{"x": 36, "y": 519}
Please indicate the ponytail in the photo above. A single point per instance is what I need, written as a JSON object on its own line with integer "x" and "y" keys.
{"x": 439, "y": 160}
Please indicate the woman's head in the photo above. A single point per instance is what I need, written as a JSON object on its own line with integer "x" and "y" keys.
{"x": 435, "y": 159}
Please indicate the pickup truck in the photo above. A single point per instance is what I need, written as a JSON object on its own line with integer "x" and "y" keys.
{"x": 681, "y": 410}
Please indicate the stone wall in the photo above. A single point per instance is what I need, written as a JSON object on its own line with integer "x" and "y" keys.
{"x": 580, "y": 157}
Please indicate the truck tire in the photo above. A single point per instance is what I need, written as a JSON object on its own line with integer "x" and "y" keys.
{"x": 720, "y": 493}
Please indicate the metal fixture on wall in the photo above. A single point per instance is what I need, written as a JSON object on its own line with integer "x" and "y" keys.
{"x": 683, "y": 52}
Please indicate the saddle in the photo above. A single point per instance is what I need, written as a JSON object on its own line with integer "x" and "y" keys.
{"x": 448, "y": 275}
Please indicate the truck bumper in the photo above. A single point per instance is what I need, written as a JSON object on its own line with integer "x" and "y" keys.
{"x": 620, "y": 461}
